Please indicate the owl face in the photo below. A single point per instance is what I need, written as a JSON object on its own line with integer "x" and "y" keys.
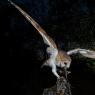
{"x": 63, "y": 59}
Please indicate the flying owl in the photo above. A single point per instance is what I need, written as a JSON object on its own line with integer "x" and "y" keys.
{"x": 57, "y": 57}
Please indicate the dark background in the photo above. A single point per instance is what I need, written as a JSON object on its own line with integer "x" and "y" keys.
{"x": 71, "y": 23}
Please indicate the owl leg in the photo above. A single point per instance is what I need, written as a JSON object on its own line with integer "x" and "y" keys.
{"x": 54, "y": 70}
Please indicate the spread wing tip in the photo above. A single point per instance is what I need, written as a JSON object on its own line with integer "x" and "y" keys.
{"x": 83, "y": 52}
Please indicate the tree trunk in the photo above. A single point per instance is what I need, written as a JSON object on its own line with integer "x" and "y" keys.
{"x": 62, "y": 87}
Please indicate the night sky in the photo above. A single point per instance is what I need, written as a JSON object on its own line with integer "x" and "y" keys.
{"x": 71, "y": 23}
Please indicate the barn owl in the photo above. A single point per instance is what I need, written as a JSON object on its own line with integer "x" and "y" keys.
{"x": 57, "y": 57}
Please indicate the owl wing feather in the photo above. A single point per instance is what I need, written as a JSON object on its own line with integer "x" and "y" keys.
{"x": 47, "y": 39}
{"x": 84, "y": 52}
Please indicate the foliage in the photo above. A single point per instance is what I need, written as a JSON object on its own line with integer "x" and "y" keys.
{"x": 91, "y": 65}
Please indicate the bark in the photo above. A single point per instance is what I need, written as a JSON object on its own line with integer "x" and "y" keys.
{"x": 62, "y": 87}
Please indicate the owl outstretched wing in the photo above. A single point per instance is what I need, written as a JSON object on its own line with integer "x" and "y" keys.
{"x": 47, "y": 39}
{"x": 83, "y": 52}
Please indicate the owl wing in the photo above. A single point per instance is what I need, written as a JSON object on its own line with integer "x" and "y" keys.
{"x": 83, "y": 52}
{"x": 47, "y": 39}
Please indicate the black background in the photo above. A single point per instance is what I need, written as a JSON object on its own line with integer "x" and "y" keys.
{"x": 69, "y": 22}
